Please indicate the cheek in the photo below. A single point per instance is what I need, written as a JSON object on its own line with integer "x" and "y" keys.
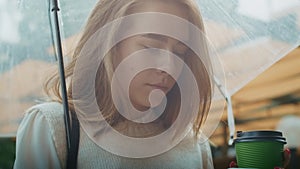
{"x": 172, "y": 82}
{"x": 125, "y": 48}
{"x": 117, "y": 58}
{"x": 138, "y": 94}
{"x": 139, "y": 80}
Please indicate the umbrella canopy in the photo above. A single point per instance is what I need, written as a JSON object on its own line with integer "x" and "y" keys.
{"x": 27, "y": 54}
{"x": 247, "y": 42}
{"x": 266, "y": 100}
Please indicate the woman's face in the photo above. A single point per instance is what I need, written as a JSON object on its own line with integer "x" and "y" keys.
{"x": 150, "y": 79}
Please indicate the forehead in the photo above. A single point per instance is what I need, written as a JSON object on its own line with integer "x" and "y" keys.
{"x": 170, "y": 7}
{"x": 173, "y": 7}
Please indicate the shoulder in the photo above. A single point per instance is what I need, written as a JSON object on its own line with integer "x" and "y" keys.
{"x": 46, "y": 120}
{"x": 48, "y": 109}
{"x": 40, "y": 139}
{"x": 51, "y": 112}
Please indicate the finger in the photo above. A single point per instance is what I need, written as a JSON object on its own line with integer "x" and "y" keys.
{"x": 278, "y": 168}
{"x": 233, "y": 164}
{"x": 287, "y": 157}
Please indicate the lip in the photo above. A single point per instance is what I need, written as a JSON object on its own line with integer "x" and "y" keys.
{"x": 159, "y": 86}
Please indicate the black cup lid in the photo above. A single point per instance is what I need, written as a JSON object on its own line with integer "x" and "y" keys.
{"x": 260, "y": 135}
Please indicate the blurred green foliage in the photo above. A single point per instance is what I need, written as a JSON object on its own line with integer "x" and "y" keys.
{"x": 7, "y": 153}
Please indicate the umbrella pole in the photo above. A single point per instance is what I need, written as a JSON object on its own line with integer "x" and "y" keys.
{"x": 230, "y": 116}
{"x": 55, "y": 9}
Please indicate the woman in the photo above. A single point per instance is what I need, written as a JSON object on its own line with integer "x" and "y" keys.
{"x": 42, "y": 132}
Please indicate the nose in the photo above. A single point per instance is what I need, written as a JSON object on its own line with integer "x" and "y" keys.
{"x": 168, "y": 63}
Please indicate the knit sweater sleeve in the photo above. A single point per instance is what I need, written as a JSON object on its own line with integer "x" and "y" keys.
{"x": 36, "y": 146}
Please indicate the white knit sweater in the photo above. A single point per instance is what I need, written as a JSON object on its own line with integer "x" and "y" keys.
{"x": 41, "y": 143}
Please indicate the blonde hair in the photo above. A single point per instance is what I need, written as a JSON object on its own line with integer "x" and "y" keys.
{"x": 106, "y": 11}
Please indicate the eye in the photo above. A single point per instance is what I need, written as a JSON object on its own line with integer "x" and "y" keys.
{"x": 181, "y": 54}
{"x": 146, "y": 47}
{"x": 151, "y": 50}
{"x": 181, "y": 50}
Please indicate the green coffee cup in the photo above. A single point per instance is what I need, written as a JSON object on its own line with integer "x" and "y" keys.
{"x": 259, "y": 149}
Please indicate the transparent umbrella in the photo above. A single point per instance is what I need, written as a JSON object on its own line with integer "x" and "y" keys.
{"x": 27, "y": 53}
{"x": 248, "y": 37}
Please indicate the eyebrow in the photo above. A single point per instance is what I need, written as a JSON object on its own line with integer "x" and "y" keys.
{"x": 157, "y": 37}
{"x": 160, "y": 38}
